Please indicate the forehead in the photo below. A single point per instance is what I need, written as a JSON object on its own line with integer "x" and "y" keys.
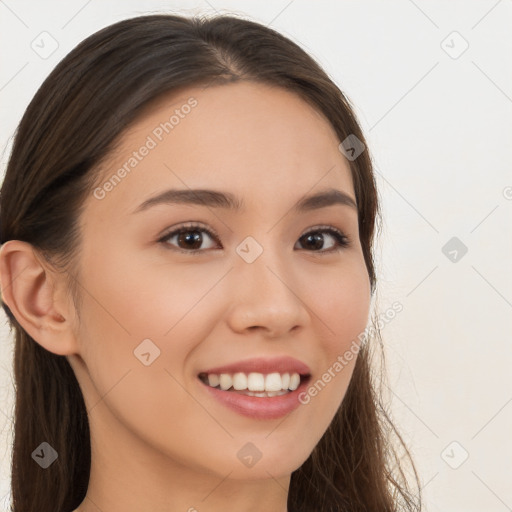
{"x": 260, "y": 142}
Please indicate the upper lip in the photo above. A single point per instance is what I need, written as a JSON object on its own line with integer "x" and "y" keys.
{"x": 264, "y": 365}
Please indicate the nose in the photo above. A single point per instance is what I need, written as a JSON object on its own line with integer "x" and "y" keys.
{"x": 265, "y": 297}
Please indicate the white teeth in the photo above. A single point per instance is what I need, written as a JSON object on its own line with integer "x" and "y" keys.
{"x": 294, "y": 381}
{"x": 213, "y": 380}
{"x": 225, "y": 381}
{"x": 273, "y": 382}
{"x": 239, "y": 381}
{"x": 257, "y": 384}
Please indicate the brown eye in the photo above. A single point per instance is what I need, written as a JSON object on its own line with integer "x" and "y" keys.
{"x": 189, "y": 239}
{"x": 316, "y": 240}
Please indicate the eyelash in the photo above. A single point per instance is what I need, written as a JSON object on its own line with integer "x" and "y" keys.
{"x": 342, "y": 239}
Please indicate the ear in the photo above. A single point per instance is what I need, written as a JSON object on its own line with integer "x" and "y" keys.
{"x": 32, "y": 290}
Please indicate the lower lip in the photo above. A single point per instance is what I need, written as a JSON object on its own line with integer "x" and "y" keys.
{"x": 264, "y": 408}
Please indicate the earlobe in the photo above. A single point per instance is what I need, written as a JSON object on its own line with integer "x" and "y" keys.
{"x": 28, "y": 288}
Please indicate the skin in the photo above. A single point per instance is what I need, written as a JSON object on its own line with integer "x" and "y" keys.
{"x": 159, "y": 442}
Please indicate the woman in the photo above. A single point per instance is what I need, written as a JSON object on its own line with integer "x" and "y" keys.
{"x": 187, "y": 220}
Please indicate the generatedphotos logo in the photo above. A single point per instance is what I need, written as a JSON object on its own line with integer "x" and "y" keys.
{"x": 152, "y": 140}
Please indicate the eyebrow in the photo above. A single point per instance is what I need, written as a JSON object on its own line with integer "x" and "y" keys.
{"x": 218, "y": 199}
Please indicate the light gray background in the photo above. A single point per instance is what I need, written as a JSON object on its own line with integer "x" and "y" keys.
{"x": 438, "y": 123}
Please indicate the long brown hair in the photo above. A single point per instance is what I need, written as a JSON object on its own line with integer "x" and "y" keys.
{"x": 71, "y": 124}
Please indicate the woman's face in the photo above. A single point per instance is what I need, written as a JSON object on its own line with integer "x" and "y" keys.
{"x": 159, "y": 308}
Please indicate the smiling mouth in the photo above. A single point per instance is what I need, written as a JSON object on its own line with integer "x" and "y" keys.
{"x": 254, "y": 383}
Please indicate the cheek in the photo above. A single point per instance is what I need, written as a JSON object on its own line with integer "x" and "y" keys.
{"x": 341, "y": 302}
{"x": 149, "y": 298}
{"x": 152, "y": 402}
{"x": 172, "y": 306}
